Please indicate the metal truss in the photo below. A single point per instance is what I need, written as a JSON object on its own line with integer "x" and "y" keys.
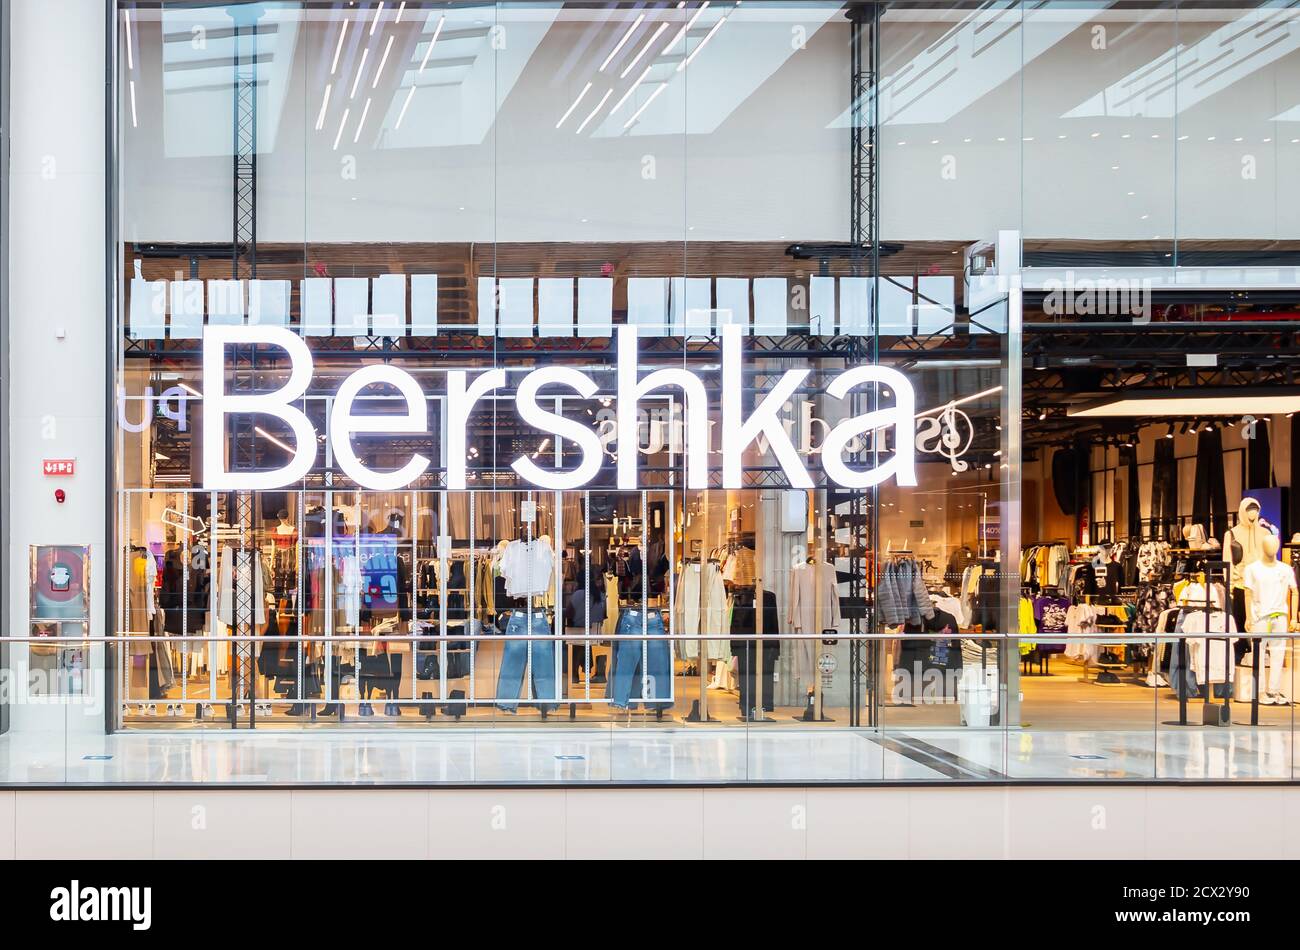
{"x": 244, "y": 146}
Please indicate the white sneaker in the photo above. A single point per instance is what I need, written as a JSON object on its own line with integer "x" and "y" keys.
{"x": 1266, "y": 699}
{"x": 1161, "y": 681}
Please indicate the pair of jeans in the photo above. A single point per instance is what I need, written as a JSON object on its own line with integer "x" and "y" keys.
{"x": 510, "y": 679}
{"x": 654, "y": 676}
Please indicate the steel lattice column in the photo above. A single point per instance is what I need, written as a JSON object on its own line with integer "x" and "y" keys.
{"x": 244, "y": 147}
{"x": 864, "y": 191}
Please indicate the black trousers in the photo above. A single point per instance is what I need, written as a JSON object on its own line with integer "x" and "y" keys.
{"x": 1210, "y": 496}
{"x": 747, "y": 671}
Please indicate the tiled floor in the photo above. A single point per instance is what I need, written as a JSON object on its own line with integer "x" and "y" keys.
{"x": 694, "y": 755}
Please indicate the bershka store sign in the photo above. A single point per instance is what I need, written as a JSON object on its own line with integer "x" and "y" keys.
{"x": 739, "y": 430}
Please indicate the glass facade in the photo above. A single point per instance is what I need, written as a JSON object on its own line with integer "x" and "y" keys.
{"x": 648, "y": 373}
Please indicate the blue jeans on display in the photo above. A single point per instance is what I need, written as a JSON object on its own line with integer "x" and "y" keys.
{"x": 626, "y": 678}
{"x": 510, "y": 679}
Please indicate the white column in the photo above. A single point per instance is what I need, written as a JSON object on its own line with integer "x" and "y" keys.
{"x": 57, "y": 333}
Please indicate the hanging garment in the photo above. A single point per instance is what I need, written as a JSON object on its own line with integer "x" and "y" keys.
{"x": 1164, "y": 489}
{"x": 1210, "y": 496}
{"x": 528, "y": 567}
{"x": 1259, "y": 459}
{"x": 250, "y": 573}
{"x": 813, "y": 605}
{"x": 611, "y": 606}
{"x": 688, "y": 609}
{"x": 141, "y": 607}
{"x": 1134, "y": 504}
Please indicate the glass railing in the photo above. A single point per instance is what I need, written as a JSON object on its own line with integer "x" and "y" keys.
{"x": 572, "y": 709}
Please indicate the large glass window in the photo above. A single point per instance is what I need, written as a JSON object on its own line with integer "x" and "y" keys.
{"x": 459, "y": 240}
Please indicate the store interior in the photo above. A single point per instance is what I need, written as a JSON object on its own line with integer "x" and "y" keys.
{"x": 1146, "y": 493}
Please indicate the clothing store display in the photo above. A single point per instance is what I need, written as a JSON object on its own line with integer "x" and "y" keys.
{"x": 1153, "y": 558}
{"x": 744, "y": 621}
{"x": 1244, "y": 543}
{"x": 901, "y": 596}
{"x": 738, "y": 568}
{"x": 701, "y": 606}
{"x": 528, "y": 567}
{"x": 1041, "y": 565}
{"x": 812, "y": 606}
{"x": 957, "y": 564}
{"x": 538, "y": 656}
{"x": 1269, "y": 583}
{"x": 642, "y": 669}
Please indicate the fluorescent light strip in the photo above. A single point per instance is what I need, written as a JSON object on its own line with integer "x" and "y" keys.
{"x": 339, "y": 48}
{"x": 382, "y": 61}
{"x": 649, "y": 43}
{"x": 436, "y": 31}
{"x": 696, "y": 52}
{"x": 592, "y": 115}
{"x": 645, "y": 105}
{"x": 133, "y": 121}
{"x": 130, "y": 60}
{"x": 1191, "y": 405}
{"x": 585, "y": 89}
{"x": 362, "y": 123}
{"x": 270, "y": 438}
{"x": 631, "y": 89}
{"x": 375, "y": 22}
{"x": 626, "y": 36}
{"x": 361, "y": 68}
{"x": 400, "y": 10}
{"x": 342, "y": 122}
{"x": 402, "y": 115}
{"x": 324, "y": 105}
{"x": 682, "y": 32}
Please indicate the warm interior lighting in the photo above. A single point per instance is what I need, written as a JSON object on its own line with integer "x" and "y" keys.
{"x": 1200, "y": 403}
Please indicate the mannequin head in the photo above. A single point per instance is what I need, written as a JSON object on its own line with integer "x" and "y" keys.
{"x": 1269, "y": 548}
{"x": 1249, "y": 511}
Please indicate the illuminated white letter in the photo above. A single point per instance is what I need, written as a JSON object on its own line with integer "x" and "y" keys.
{"x": 629, "y": 394}
{"x": 460, "y": 402}
{"x": 343, "y": 423}
{"x": 217, "y": 404}
{"x": 901, "y": 417}
{"x": 536, "y": 416}
{"x": 737, "y": 435}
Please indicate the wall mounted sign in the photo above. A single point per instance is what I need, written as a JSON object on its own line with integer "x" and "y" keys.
{"x": 58, "y": 466}
{"x": 463, "y": 392}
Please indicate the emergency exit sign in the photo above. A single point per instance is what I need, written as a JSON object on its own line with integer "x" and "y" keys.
{"x": 59, "y": 467}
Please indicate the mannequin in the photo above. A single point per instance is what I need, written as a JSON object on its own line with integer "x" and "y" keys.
{"x": 1271, "y": 586}
{"x": 1194, "y": 535}
{"x": 1242, "y": 545}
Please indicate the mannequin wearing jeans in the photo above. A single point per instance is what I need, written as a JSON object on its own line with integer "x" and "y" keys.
{"x": 654, "y": 681}
{"x": 510, "y": 680}
{"x": 1270, "y": 587}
